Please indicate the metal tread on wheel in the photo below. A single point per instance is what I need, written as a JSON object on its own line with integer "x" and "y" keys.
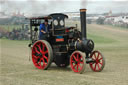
{"x": 42, "y": 54}
{"x": 77, "y": 62}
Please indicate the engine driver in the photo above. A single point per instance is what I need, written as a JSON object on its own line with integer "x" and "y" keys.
{"x": 44, "y": 29}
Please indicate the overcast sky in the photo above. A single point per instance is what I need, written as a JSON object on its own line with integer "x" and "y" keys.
{"x": 50, "y": 6}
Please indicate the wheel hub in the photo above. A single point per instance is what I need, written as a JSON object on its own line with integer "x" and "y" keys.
{"x": 40, "y": 55}
{"x": 97, "y": 61}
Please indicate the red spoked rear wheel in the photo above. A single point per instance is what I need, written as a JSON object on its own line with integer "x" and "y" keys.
{"x": 77, "y": 62}
{"x": 99, "y": 61}
{"x": 42, "y": 54}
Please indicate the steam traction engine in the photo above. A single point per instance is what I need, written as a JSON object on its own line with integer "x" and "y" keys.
{"x": 64, "y": 45}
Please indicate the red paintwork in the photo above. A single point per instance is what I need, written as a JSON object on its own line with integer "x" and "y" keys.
{"x": 40, "y": 61}
{"x": 67, "y": 30}
{"x": 76, "y": 62}
{"x": 96, "y": 55}
{"x": 60, "y": 40}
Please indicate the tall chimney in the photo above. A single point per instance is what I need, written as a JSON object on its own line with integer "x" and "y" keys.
{"x": 83, "y": 23}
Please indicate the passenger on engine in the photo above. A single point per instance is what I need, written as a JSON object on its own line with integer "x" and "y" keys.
{"x": 44, "y": 29}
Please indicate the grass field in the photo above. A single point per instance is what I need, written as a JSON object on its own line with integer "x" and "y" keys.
{"x": 16, "y": 69}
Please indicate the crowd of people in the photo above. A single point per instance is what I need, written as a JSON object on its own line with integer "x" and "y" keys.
{"x": 16, "y": 34}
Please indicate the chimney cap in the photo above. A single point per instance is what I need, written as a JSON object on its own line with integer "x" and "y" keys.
{"x": 83, "y": 10}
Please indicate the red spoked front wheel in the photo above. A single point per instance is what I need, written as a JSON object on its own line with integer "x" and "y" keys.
{"x": 77, "y": 62}
{"x": 99, "y": 61}
{"x": 42, "y": 54}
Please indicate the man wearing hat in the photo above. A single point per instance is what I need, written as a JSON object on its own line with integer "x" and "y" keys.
{"x": 44, "y": 28}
